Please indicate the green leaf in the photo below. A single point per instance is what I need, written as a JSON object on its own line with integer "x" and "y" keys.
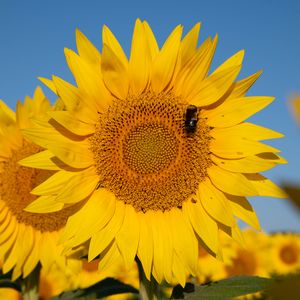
{"x": 104, "y": 288}
{"x": 285, "y": 287}
{"x": 223, "y": 289}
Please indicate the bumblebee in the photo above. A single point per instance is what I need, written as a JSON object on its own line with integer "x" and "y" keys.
{"x": 190, "y": 119}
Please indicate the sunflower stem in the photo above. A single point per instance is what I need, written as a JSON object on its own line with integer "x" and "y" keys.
{"x": 149, "y": 290}
{"x": 30, "y": 285}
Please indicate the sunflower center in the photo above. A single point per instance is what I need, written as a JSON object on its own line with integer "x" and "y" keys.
{"x": 289, "y": 254}
{"x": 149, "y": 148}
{"x": 16, "y": 183}
{"x": 144, "y": 154}
{"x": 243, "y": 264}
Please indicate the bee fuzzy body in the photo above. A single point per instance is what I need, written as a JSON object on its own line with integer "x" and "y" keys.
{"x": 190, "y": 120}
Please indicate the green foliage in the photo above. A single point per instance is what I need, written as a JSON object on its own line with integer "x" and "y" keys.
{"x": 104, "y": 288}
{"x": 223, "y": 289}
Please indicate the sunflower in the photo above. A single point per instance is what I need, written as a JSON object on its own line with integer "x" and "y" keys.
{"x": 158, "y": 148}
{"x": 25, "y": 238}
{"x": 249, "y": 259}
{"x": 284, "y": 255}
{"x": 296, "y": 106}
{"x": 89, "y": 275}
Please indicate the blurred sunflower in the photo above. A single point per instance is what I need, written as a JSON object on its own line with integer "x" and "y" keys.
{"x": 9, "y": 294}
{"x": 296, "y": 106}
{"x": 51, "y": 283}
{"x": 90, "y": 274}
{"x": 25, "y": 238}
{"x": 212, "y": 269}
{"x": 249, "y": 259}
{"x": 159, "y": 149}
{"x": 284, "y": 253}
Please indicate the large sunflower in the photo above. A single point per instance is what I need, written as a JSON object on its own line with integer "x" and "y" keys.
{"x": 158, "y": 146}
{"x": 25, "y": 238}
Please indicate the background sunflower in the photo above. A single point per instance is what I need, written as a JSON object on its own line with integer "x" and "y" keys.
{"x": 26, "y": 238}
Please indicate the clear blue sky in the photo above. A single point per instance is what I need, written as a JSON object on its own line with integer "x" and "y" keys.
{"x": 34, "y": 33}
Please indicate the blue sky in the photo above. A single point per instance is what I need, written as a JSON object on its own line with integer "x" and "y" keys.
{"x": 33, "y": 35}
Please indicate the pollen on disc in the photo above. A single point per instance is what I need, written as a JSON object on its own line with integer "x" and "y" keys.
{"x": 143, "y": 154}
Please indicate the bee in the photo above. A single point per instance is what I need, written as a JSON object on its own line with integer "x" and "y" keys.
{"x": 190, "y": 119}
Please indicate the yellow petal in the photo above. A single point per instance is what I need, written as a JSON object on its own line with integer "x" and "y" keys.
{"x": 12, "y": 137}
{"x": 215, "y": 203}
{"x": 67, "y": 119}
{"x": 233, "y": 61}
{"x": 204, "y": 225}
{"x": 74, "y": 101}
{"x": 54, "y": 183}
{"x": 12, "y": 257}
{"x": 22, "y": 115}
{"x": 5, "y": 149}
{"x": 139, "y": 63}
{"x": 193, "y": 73}
{"x": 128, "y": 237}
{"x": 88, "y": 80}
{"x": 233, "y": 232}
{"x": 214, "y": 87}
{"x": 145, "y": 247}
{"x": 48, "y": 250}
{"x": 249, "y": 164}
{"x": 5, "y": 220}
{"x": 87, "y": 50}
{"x": 41, "y": 160}
{"x": 241, "y": 87}
{"x": 152, "y": 44}
{"x": 265, "y": 186}
{"x": 44, "y": 204}
{"x": 78, "y": 187}
{"x": 231, "y": 183}
{"x": 101, "y": 239}
{"x": 162, "y": 246}
{"x": 164, "y": 64}
{"x": 110, "y": 40}
{"x": 154, "y": 219}
{"x": 232, "y": 147}
{"x": 96, "y": 213}
{"x": 7, "y": 116}
{"x": 7, "y": 234}
{"x": 234, "y": 111}
{"x": 48, "y": 83}
{"x": 272, "y": 157}
{"x": 6, "y": 243}
{"x": 3, "y": 213}
{"x": 189, "y": 44}
{"x": 115, "y": 73}
{"x": 179, "y": 272}
{"x": 246, "y": 130}
{"x": 33, "y": 258}
{"x": 26, "y": 244}
{"x": 184, "y": 239}
{"x": 243, "y": 210}
{"x": 75, "y": 154}
{"x": 110, "y": 257}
